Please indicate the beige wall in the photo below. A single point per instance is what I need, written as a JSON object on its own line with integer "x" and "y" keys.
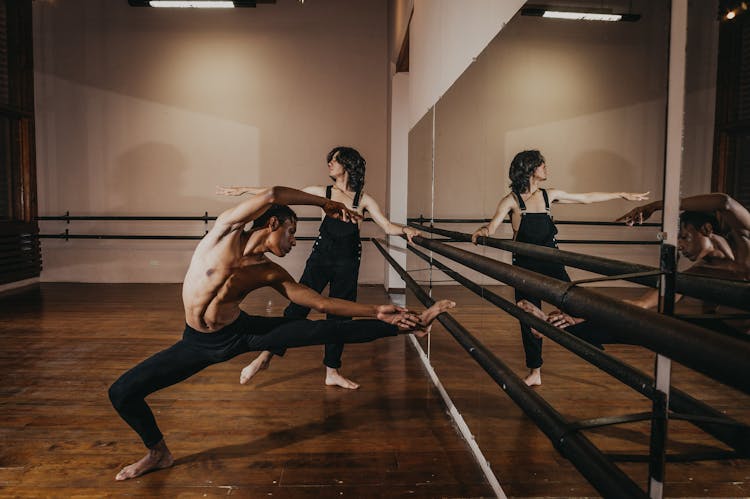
{"x": 144, "y": 111}
{"x": 591, "y": 97}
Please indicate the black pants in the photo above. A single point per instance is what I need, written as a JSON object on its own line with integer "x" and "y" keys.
{"x": 337, "y": 264}
{"x": 532, "y": 346}
{"x": 197, "y": 350}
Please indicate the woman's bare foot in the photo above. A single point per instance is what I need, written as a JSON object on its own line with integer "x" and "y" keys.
{"x": 428, "y": 316}
{"x": 261, "y": 362}
{"x": 158, "y": 458}
{"x": 334, "y": 378}
{"x": 534, "y": 378}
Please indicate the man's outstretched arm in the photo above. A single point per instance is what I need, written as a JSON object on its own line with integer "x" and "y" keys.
{"x": 302, "y": 295}
{"x": 247, "y": 211}
{"x": 317, "y": 190}
{"x": 734, "y": 213}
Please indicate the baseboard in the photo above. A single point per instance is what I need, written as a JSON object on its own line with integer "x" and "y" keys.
{"x": 18, "y": 285}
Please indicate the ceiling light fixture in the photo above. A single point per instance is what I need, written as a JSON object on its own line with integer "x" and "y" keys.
{"x": 731, "y": 9}
{"x": 197, "y": 4}
{"x": 192, "y": 5}
{"x": 578, "y": 14}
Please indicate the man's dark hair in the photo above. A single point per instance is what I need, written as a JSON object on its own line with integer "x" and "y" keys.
{"x": 280, "y": 211}
{"x": 698, "y": 218}
{"x": 521, "y": 169}
{"x": 353, "y": 163}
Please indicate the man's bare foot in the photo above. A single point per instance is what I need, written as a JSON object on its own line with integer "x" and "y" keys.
{"x": 537, "y": 312}
{"x": 534, "y": 378}
{"x": 158, "y": 458}
{"x": 428, "y": 316}
{"x": 334, "y": 378}
{"x": 261, "y": 362}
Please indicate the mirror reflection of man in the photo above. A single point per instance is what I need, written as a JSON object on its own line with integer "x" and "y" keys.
{"x": 714, "y": 235}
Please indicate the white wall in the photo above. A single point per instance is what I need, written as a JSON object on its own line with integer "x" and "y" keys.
{"x": 144, "y": 111}
{"x": 398, "y": 174}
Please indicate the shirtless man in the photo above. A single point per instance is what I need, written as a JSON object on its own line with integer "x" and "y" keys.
{"x": 229, "y": 263}
{"x": 335, "y": 257}
{"x": 714, "y": 233}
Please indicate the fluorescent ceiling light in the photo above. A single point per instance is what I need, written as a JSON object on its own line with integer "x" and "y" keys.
{"x": 207, "y": 4}
{"x": 577, "y": 13}
{"x": 581, "y": 16}
{"x": 197, "y": 4}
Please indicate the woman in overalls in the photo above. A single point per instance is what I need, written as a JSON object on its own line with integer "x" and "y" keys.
{"x": 336, "y": 252}
{"x": 529, "y": 208}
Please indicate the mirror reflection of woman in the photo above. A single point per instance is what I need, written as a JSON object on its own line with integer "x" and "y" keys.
{"x": 529, "y": 207}
{"x": 336, "y": 253}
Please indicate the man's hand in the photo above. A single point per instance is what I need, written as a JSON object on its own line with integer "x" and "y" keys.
{"x": 339, "y": 211}
{"x": 229, "y": 191}
{"x": 398, "y": 316}
{"x": 483, "y": 231}
{"x": 634, "y": 196}
{"x": 560, "y": 319}
{"x": 638, "y": 215}
{"x": 411, "y": 232}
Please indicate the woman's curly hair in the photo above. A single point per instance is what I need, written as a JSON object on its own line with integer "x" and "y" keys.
{"x": 353, "y": 163}
{"x": 521, "y": 169}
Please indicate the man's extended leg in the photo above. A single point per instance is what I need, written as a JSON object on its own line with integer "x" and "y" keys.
{"x": 269, "y": 333}
{"x": 128, "y": 394}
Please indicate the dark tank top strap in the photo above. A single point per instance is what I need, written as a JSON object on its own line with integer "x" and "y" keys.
{"x": 336, "y": 232}
{"x": 521, "y": 204}
{"x": 355, "y": 201}
{"x": 546, "y": 199}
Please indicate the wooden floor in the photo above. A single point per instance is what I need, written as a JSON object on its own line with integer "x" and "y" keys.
{"x": 289, "y": 436}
